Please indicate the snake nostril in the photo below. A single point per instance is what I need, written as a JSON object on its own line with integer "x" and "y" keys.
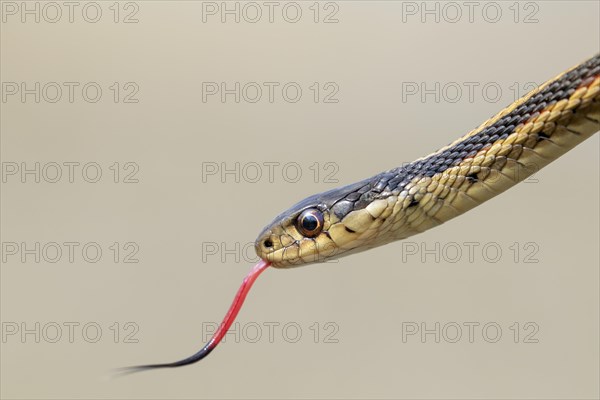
{"x": 268, "y": 243}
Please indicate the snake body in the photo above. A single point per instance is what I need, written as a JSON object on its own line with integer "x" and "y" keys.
{"x": 395, "y": 204}
{"x": 410, "y": 199}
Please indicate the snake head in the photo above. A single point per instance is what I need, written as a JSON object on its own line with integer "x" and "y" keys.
{"x": 298, "y": 236}
{"x": 318, "y": 228}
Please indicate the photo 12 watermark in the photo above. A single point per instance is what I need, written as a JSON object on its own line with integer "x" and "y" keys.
{"x": 270, "y": 12}
{"x": 89, "y": 92}
{"x": 276, "y": 332}
{"x": 70, "y": 12}
{"x": 57, "y": 172}
{"x": 289, "y": 92}
{"x": 69, "y": 332}
{"x": 269, "y": 172}
{"x": 244, "y": 252}
{"x": 270, "y": 92}
{"x": 469, "y": 252}
{"x": 464, "y": 92}
{"x": 470, "y": 332}
{"x": 69, "y": 252}
{"x": 470, "y": 12}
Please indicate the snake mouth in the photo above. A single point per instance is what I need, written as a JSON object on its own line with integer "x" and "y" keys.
{"x": 270, "y": 247}
{"x": 271, "y": 251}
{"x": 297, "y": 252}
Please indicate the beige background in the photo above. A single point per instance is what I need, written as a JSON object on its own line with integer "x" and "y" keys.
{"x": 171, "y": 212}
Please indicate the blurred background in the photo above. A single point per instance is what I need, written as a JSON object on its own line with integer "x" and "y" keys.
{"x": 145, "y": 144}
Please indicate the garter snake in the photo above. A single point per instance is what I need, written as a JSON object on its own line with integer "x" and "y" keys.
{"x": 400, "y": 202}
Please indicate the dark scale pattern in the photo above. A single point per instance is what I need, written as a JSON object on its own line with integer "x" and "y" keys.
{"x": 396, "y": 179}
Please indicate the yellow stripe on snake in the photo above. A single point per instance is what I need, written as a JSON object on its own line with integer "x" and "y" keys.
{"x": 395, "y": 204}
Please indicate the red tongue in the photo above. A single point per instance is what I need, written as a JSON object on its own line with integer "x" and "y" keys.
{"x": 238, "y": 301}
{"x": 223, "y": 328}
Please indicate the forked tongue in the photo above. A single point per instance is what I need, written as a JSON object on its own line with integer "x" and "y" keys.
{"x": 238, "y": 301}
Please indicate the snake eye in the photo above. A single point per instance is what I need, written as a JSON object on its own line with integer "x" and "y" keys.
{"x": 310, "y": 222}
